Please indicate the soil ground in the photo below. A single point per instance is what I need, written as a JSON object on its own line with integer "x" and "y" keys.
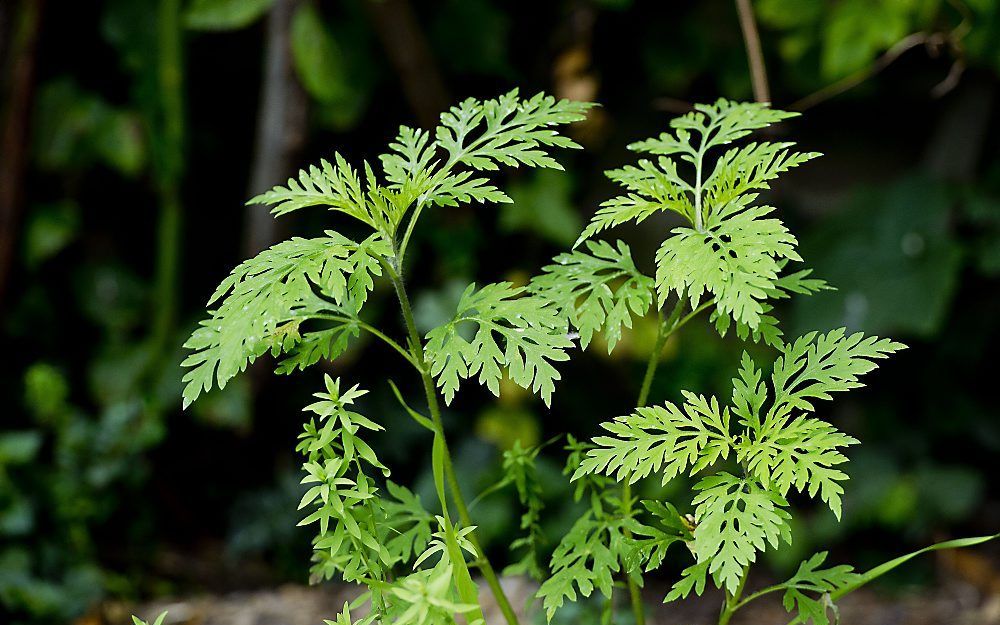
{"x": 954, "y": 603}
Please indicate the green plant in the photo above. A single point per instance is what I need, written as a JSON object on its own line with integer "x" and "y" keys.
{"x": 303, "y": 299}
{"x": 730, "y": 256}
{"x": 159, "y": 619}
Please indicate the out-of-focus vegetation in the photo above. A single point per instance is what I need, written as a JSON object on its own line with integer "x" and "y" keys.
{"x": 134, "y": 130}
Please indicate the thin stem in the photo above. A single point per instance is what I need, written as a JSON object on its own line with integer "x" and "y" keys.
{"x": 168, "y": 173}
{"x": 697, "y": 184}
{"x": 733, "y": 600}
{"x": 755, "y": 56}
{"x": 371, "y": 330}
{"x": 417, "y": 351}
{"x": 664, "y": 329}
{"x": 761, "y": 593}
{"x": 391, "y": 343}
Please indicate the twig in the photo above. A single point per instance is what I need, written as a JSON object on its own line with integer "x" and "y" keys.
{"x": 409, "y": 53}
{"x": 853, "y": 80}
{"x": 24, "y": 26}
{"x": 755, "y": 56}
{"x": 281, "y": 126}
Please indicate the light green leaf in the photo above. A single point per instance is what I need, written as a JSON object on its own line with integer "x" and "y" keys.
{"x": 599, "y": 291}
{"x": 318, "y": 58}
{"x": 520, "y": 333}
{"x": 266, "y": 298}
{"x": 666, "y": 439}
{"x": 224, "y": 14}
{"x": 736, "y": 518}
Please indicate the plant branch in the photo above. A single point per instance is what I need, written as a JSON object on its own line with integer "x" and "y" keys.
{"x": 733, "y": 600}
{"x": 755, "y": 55}
{"x": 853, "y": 80}
{"x": 433, "y": 404}
{"x": 664, "y": 329}
{"x": 374, "y": 332}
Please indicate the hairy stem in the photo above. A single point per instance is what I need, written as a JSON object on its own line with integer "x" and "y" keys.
{"x": 434, "y": 406}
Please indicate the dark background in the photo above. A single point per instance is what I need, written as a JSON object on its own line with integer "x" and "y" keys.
{"x": 134, "y": 130}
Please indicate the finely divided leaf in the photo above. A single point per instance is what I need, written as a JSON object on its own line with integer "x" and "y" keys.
{"x": 815, "y": 365}
{"x": 664, "y": 439}
{"x": 263, "y": 302}
{"x": 736, "y": 518}
{"x": 803, "y": 454}
{"x": 584, "y": 560}
{"x": 737, "y": 260}
{"x": 511, "y": 330}
{"x": 810, "y": 579}
{"x": 598, "y": 291}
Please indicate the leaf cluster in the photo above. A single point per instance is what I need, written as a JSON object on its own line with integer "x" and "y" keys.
{"x": 769, "y": 434}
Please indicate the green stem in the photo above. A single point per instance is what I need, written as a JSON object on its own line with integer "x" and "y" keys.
{"x": 664, "y": 329}
{"x": 733, "y": 600}
{"x": 168, "y": 171}
{"x": 417, "y": 350}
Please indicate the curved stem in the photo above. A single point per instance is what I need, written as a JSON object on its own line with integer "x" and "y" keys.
{"x": 371, "y": 330}
{"x": 760, "y": 593}
{"x": 417, "y": 351}
{"x": 391, "y": 343}
{"x": 733, "y": 600}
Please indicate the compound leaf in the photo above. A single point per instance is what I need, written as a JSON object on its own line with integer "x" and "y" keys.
{"x": 512, "y": 331}
{"x": 598, "y": 291}
{"x": 666, "y": 439}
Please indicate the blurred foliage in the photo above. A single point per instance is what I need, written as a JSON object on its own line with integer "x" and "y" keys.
{"x": 101, "y": 474}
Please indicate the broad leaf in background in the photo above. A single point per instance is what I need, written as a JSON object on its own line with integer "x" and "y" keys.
{"x": 542, "y": 205}
{"x": 224, "y": 14}
{"x": 894, "y": 258}
{"x": 75, "y": 129}
{"x": 323, "y": 67}
{"x": 49, "y": 228}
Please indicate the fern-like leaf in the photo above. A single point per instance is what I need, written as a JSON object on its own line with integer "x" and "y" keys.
{"x": 262, "y": 303}
{"x": 811, "y": 579}
{"x": 598, "y": 291}
{"x": 736, "y": 259}
{"x": 585, "y": 559}
{"x": 816, "y": 365}
{"x": 731, "y": 250}
{"x": 736, "y": 518}
{"x": 512, "y": 331}
{"x": 665, "y": 439}
{"x": 804, "y": 454}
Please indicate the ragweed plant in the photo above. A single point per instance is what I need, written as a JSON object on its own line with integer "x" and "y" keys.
{"x": 732, "y": 258}
{"x": 303, "y": 301}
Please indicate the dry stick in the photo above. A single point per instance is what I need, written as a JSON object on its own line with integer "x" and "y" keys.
{"x": 758, "y": 73}
{"x": 281, "y": 126}
{"x": 953, "y": 37}
{"x": 853, "y": 80}
{"x": 396, "y": 24}
{"x": 13, "y": 135}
